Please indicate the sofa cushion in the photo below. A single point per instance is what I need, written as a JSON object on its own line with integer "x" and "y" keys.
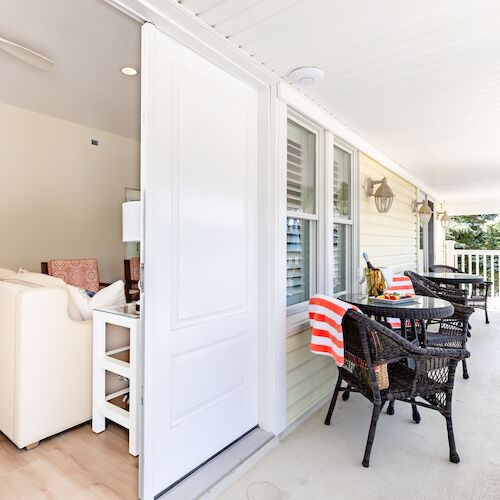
{"x": 5, "y": 273}
{"x": 45, "y": 281}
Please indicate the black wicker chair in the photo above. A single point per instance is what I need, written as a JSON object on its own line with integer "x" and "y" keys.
{"x": 452, "y": 331}
{"x": 368, "y": 344}
{"x": 479, "y": 292}
{"x": 442, "y": 268}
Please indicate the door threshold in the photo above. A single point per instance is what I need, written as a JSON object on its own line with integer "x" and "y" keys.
{"x": 206, "y": 477}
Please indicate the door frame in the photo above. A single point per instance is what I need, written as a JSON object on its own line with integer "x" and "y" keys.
{"x": 169, "y": 17}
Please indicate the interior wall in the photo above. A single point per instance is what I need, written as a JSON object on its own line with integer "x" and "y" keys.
{"x": 61, "y": 196}
{"x": 389, "y": 239}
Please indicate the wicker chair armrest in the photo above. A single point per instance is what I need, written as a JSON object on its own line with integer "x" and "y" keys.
{"x": 454, "y": 298}
{"x": 485, "y": 285}
{"x": 443, "y": 352}
{"x": 461, "y": 312}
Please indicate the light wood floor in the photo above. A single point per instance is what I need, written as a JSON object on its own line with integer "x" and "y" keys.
{"x": 74, "y": 465}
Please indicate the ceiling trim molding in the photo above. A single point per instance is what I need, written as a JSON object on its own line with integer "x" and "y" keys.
{"x": 184, "y": 26}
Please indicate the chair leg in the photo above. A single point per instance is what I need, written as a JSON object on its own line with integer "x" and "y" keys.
{"x": 390, "y": 408}
{"x": 328, "y": 418}
{"x": 371, "y": 434}
{"x": 415, "y": 415}
{"x": 451, "y": 441}
{"x": 486, "y": 315}
{"x": 346, "y": 393}
{"x": 464, "y": 369}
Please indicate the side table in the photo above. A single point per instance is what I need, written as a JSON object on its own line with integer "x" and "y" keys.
{"x": 104, "y": 361}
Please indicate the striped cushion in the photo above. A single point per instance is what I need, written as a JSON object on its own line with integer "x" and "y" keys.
{"x": 325, "y": 316}
{"x": 400, "y": 284}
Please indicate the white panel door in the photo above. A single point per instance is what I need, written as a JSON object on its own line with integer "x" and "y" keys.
{"x": 200, "y": 252}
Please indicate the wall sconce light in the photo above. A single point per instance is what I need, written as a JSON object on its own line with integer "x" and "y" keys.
{"x": 383, "y": 195}
{"x": 425, "y": 211}
{"x": 444, "y": 218}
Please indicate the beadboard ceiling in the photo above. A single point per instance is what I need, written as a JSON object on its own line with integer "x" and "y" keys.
{"x": 420, "y": 79}
{"x": 89, "y": 41}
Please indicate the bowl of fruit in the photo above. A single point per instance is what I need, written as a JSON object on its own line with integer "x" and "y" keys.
{"x": 395, "y": 297}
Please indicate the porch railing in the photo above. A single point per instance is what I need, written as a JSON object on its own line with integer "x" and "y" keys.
{"x": 482, "y": 262}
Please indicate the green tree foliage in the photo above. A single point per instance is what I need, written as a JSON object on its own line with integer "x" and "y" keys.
{"x": 473, "y": 232}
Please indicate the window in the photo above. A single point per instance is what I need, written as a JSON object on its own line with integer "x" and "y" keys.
{"x": 301, "y": 213}
{"x": 343, "y": 220}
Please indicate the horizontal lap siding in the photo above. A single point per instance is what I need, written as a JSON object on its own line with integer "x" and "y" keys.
{"x": 390, "y": 239}
{"x": 309, "y": 376}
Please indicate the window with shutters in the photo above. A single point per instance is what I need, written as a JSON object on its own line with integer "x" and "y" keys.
{"x": 301, "y": 214}
{"x": 342, "y": 219}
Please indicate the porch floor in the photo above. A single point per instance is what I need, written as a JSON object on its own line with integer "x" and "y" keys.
{"x": 408, "y": 460}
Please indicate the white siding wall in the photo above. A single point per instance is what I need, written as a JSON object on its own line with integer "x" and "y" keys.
{"x": 309, "y": 376}
{"x": 390, "y": 239}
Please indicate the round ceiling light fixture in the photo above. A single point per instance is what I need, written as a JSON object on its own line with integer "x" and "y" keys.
{"x": 129, "y": 71}
{"x": 306, "y": 75}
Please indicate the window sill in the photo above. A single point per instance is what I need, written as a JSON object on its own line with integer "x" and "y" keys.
{"x": 296, "y": 323}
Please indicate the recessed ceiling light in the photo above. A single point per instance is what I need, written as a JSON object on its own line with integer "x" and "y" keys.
{"x": 306, "y": 75}
{"x": 129, "y": 71}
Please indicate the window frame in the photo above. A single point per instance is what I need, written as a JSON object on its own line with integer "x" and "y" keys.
{"x": 351, "y": 224}
{"x": 314, "y": 218}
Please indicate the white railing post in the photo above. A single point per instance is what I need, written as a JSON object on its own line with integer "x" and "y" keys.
{"x": 449, "y": 253}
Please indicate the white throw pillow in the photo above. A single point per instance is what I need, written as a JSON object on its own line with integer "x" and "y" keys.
{"x": 81, "y": 301}
{"x": 112, "y": 295}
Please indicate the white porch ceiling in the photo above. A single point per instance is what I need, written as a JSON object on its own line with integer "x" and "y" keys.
{"x": 89, "y": 41}
{"x": 420, "y": 79}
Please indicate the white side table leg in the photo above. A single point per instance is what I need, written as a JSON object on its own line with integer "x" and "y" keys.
{"x": 133, "y": 431}
{"x": 99, "y": 375}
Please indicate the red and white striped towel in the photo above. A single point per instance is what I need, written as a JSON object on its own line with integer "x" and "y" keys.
{"x": 325, "y": 315}
{"x": 400, "y": 284}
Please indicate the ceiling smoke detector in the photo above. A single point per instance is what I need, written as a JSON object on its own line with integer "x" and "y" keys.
{"x": 306, "y": 75}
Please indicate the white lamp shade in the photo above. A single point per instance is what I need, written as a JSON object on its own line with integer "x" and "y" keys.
{"x": 131, "y": 221}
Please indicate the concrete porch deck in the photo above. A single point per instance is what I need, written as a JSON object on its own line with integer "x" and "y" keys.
{"x": 408, "y": 460}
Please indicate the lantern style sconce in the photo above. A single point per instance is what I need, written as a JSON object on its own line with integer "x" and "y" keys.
{"x": 425, "y": 211}
{"x": 383, "y": 195}
{"x": 444, "y": 218}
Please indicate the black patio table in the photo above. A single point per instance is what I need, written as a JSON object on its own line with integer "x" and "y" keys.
{"x": 422, "y": 308}
{"x": 409, "y": 313}
{"x": 456, "y": 279}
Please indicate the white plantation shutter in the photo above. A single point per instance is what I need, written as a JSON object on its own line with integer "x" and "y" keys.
{"x": 294, "y": 190}
{"x": 301, "y": 171}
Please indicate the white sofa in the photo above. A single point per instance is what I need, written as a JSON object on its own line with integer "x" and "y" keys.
{"x": 45, "y": 359}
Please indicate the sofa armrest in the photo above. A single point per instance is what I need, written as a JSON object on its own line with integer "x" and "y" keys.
{"x": 53, "y": 366}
